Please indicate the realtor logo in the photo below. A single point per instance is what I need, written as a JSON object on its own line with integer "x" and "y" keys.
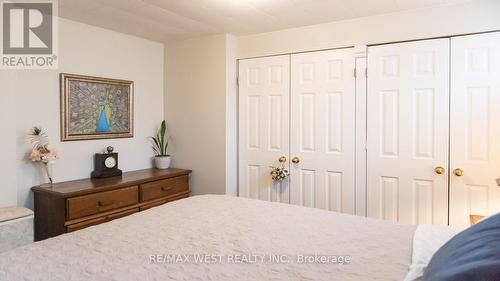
{"x": 28, "y": 34}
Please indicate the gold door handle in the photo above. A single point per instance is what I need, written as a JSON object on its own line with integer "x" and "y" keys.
{"x": 295, "y": 160}
{"x": 458, "y": 172}
{"x": 439, "y": 170}
{"x": 282, "y": 159}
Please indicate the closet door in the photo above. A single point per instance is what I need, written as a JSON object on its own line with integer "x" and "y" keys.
{"x": 475, "y": 127}
{"x": 407, "y": 132}
{"x": 323, "y": 130}
{"x": 264, "y": 93}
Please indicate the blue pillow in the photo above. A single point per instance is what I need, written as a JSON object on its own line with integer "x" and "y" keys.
{"x": 473, "y": 254}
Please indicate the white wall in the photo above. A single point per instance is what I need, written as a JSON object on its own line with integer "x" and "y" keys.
{"x": 8, "y": 190}
{"x": 195, "y": 109}
{"x": 473, "y": 16}
{"x": 86, "y": 50}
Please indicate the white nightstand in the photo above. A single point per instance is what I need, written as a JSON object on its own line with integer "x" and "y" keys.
{"x": 16, "y": 227}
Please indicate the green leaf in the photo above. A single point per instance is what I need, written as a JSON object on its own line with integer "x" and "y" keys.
{"x": 160, "y": 143}
{"x": 155, "y": 150}
{"x": 156, "y": 144}
{"x": 163, "y": 129}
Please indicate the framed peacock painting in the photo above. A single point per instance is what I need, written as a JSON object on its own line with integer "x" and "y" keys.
{"x": 96, "y": 108}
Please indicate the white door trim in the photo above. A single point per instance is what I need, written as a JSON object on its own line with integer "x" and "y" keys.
{"x": 360, "y": 151}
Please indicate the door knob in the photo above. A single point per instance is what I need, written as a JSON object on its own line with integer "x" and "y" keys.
{"x": 458, "y": 172}
{"x": 295, "y": 160}
{"x": 282, "y": 159}
{"x": 439, "y": 170}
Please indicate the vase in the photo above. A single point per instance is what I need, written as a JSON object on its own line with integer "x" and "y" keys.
{"x": 48, "y": 170}
{"x": 162, "y": 162}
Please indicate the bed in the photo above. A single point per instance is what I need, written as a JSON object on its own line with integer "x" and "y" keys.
{"x": 216, "y": 237}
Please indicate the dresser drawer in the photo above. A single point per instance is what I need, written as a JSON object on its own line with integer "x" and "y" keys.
{"x": 96, "y": 221}
{"x": 101, "y": 202}
{"x": 164, "y": 188}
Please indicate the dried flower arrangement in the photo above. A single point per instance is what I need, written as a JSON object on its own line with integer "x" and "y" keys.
{"x": 278, "y": 174}
{"x": 42, "y": 151}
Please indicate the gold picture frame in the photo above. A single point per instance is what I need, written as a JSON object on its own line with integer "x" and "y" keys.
{"x": 96, "y": 108}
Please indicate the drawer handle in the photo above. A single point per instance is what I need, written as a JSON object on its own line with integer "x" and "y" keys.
{"x": 166, "y": 188}
{"x": 105, "y": 204}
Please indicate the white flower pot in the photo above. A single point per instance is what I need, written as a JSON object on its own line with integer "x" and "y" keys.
{"x": 162, "y": 162}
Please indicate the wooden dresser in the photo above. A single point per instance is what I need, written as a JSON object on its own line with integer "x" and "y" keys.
{"x": 73, "y": 205}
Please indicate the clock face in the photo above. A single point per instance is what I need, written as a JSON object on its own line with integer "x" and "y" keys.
{"x": 110, "y": 162}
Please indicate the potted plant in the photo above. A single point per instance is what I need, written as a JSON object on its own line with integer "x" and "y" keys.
{"x": 160, "y": 144}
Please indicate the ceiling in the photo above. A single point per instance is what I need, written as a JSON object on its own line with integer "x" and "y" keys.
{"x": 171, "y": 20}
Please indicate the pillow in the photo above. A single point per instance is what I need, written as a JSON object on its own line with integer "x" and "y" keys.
{"x": 473, "y": 254}
{"x": 426, "y": 241}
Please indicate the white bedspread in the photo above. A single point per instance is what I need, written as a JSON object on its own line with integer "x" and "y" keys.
{"x": 232, "y": 228}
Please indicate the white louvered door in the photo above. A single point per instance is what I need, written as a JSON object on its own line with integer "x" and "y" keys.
{"x": 323, "y": 130}
{"x": 407, "y": 136}
{"x": 264, "y": 91}
{"x": 475, "y": 126}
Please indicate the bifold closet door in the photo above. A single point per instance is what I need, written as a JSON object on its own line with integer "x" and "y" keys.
{"x": 407, "y": 135}
{"x": 475, "y": 127}
{"x": 323, "y": 130}
{"x": 264, "y": 91}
